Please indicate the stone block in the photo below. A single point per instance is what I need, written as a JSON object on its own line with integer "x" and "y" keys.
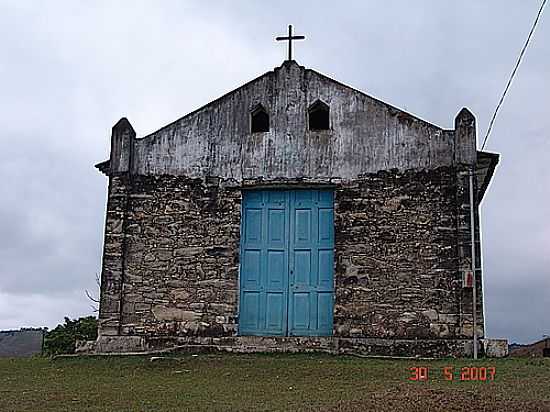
{"x": 162, "y": 313}
{"x": 119, "y": 344}
{"x": 431, "y": 314}
{"x": 440, "y": 330}
{"x": 451, "y": 318}
{"x": 495, "y": 348}
{"x": 188, "y": 251}
{"x": 143, "y": 307}
{"x": 180, "y": 294}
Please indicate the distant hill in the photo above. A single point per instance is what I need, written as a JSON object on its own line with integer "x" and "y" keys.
{"x": 21, "y": 343}
{"x": 540, "y": 348}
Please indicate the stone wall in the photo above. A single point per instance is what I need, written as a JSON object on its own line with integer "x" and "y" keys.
{"x": 170, "y": 260}
{"x": 182, "y": 258}
{"x": 114, "y": 246}
{"x": 397, "y": 256}
{"x": 172, "y": 244}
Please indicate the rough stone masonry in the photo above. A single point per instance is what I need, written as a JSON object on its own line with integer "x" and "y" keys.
{"x": 171, "y": 259}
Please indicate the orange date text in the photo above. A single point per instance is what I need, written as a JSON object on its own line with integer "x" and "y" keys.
{"x": 450, "y": 373}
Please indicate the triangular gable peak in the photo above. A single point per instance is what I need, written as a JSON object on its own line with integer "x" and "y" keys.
{"x": 363, "y": 135}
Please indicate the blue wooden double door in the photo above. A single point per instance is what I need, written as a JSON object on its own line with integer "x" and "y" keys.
{"x": 287, "y": 253}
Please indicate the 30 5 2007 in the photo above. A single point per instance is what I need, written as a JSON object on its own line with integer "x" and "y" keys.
{"x": 451, "y": 373}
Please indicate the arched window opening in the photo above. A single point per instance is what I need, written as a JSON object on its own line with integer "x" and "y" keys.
{"x": 319, "y": 116}
{"x": 260, "y": 120}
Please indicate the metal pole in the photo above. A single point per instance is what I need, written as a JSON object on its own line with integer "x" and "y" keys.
{"x": 472, "y": 235}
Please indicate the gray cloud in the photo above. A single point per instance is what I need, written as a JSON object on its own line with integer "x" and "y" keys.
{"x": 69, "y": 70}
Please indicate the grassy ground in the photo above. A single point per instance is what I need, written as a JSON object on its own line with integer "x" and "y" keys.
{"x": 267, "y": 382}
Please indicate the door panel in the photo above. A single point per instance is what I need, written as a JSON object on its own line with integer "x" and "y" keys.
{"x": 287, "y": 263}
{"x": 325, "y": 268}
{"x": 311, "y": 263}
{"x": 264, "y": 263}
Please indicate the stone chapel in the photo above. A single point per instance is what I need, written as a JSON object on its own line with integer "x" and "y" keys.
{"x": 294, "y": 213}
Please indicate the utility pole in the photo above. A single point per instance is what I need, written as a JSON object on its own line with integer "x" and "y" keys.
{"x": 472, "y": 235}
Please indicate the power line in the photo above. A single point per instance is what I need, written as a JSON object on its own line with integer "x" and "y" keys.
{"x": 513, "y": 73}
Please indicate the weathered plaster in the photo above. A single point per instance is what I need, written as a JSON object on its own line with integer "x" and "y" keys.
{"x": 366, "y": 135}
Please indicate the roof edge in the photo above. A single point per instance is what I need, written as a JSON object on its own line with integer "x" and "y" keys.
{"x": 390, "y": 106}
{"x": 209, "y": 103}
{"x": 104, "y": 167}
{"x": 493, "y": 159}
{"x": 286, "y": 63}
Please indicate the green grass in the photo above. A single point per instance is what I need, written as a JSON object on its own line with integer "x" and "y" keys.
{"x": 265, "y": 382}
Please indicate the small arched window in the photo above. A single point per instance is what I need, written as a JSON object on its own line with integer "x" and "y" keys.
{"x": 260, "y": 120}
{"x": 318, "y": 115}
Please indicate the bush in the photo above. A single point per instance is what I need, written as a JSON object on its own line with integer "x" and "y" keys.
{"x": 62, "y": 339}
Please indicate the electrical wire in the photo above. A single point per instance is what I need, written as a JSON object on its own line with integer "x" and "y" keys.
{"x": 513, "y": 74}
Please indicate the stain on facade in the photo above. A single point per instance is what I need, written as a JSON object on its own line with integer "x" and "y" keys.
{"x": 172, "y": 254}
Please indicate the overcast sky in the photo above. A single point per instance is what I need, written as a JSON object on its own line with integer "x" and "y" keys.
{"x": 69, "y": 70}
